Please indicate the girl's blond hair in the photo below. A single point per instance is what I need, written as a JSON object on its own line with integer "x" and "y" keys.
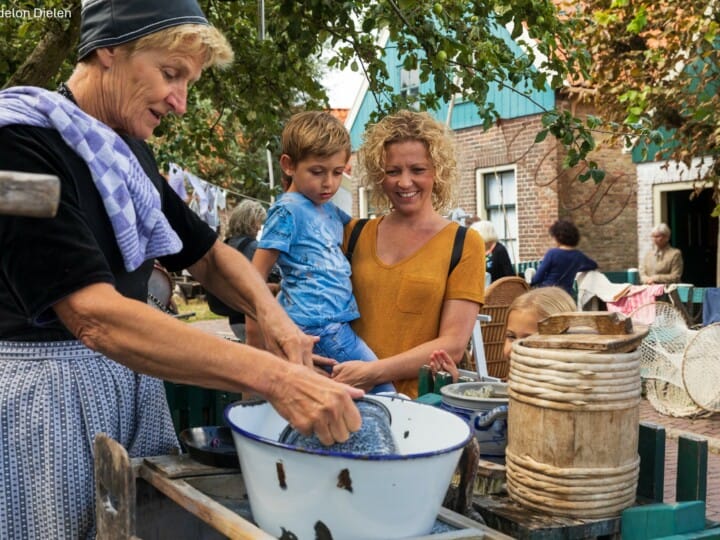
{"x": 543, "y": 302}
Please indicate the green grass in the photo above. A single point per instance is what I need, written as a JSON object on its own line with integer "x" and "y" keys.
{"x": 197, "y": 306}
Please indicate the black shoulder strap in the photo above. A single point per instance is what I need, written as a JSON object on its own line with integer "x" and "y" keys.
{"x": 457, "y": 248}
{"x": 239, "y": 244}
{"x": 354, "y": 235}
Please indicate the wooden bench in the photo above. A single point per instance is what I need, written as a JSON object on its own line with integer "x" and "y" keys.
{"x": 179, "y": 498}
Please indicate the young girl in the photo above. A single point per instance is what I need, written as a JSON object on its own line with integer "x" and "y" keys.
{"x": 524, "y": 314}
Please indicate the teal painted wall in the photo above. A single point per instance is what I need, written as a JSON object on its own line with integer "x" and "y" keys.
{"x": 508, "y": 103}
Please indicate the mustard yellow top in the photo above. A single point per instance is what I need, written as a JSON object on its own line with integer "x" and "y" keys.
{"x": 401, "y": 304}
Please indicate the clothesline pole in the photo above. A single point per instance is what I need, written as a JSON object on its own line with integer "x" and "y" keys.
{"x": 261, "y": 35}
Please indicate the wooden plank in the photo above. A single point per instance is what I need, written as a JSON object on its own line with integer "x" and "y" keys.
{"x": 651, "y": 447}
{"x": 604, "y": 322}
{"x": 691, "y": 482}
{"x": 584, "y": 341}
{"x": 204, "y": 507}
{"x": 182, "y": 466}
{"x": 26, "y": 194}
{"x": 505, "y": 515}
{"x": 114, "y": 490}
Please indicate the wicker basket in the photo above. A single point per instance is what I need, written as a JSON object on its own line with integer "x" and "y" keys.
{"x": 498, "y": 297}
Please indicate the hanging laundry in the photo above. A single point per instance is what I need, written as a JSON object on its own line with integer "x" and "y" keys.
{"x": 176, "y": 179}
{"x": 212, "y": 218}
{"x": 200, "y": 193}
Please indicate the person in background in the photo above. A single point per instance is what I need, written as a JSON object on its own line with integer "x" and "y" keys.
{"x": 560, "y": 264}
{"x": 497, "y": 260}
{"x": 524, "y": 314}
{"x": 81, "y": 351}
{"x": 412, "y": 300}
{"x": 664, "y": 263}
{"x": 244, "y": 224}
{"x": 303, "y": 234}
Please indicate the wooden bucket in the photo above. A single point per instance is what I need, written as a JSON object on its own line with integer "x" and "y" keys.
{"x": 573, "y": 417}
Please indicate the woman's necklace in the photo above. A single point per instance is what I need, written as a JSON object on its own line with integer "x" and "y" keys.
{"x": 65, "y": 92}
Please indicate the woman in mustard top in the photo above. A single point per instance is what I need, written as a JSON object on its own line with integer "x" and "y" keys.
{"x": 410, "y": 303}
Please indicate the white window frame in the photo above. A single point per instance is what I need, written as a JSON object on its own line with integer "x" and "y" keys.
{"x": 481, "y": 205}
{"x": 412, "y": 89}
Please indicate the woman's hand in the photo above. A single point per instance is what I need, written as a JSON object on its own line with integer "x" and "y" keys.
{"x": 315, "y": 404}
{"x": 357, "y": 373}
{"x": 283, "y": 338}
{"x": 441, "y": 361}
{"x": 323, "y": 365}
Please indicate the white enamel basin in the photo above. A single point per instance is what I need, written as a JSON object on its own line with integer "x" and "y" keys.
{"x": 344, "y": 496}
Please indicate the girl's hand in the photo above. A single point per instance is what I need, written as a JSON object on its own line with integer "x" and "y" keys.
{"x": 441, "y": 361}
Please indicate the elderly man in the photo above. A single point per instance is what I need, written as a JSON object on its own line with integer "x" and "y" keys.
{"x": 664, "y": 264}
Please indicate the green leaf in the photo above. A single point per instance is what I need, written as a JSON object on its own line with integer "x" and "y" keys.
{"x": 540, "y": 137}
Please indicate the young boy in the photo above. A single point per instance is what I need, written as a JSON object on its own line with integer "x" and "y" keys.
{"x": 303, "y": 233}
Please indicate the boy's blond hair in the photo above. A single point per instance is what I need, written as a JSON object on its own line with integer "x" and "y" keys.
{"x": 314, "y": 133}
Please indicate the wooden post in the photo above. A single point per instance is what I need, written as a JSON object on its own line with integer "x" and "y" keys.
{"x": 26, "y": 194}
{"x": 651, "y": 447}
{"x": 114, "y": 490}
{"x": 692, "y": 464}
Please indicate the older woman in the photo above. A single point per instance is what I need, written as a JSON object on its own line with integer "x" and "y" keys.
{"x": 664, "y": 263}
{"x": 410, "y": 302}
{"x": 497, "y": 260}
{"x": 75, "y": 331}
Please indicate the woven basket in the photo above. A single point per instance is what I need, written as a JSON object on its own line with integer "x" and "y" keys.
{"x": 498, "y": 297}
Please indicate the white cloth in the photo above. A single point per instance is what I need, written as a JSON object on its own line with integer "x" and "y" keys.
{"x": 594, "y": 283}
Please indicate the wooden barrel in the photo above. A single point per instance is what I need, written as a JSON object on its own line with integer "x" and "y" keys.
{"x": 573, "y": 424}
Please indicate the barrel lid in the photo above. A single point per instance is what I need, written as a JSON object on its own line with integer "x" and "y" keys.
{"x": 602, "y": 331}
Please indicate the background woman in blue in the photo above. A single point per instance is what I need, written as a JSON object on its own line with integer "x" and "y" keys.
{"x": 560, "y": 264}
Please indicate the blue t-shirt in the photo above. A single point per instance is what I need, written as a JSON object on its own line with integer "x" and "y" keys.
{"x": 559, "y": 267}
{"x": 315, "y": 289}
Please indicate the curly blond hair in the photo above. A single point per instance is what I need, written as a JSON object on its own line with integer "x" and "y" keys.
{"x": 406, "y": 126}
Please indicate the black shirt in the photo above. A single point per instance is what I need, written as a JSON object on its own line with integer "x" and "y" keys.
{"x": 42, "y": 260}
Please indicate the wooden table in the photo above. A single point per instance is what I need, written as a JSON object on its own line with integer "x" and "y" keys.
{"x": 178, "y": 498}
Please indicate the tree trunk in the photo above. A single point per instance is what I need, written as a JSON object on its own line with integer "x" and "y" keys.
{"x": 49, "y": 54}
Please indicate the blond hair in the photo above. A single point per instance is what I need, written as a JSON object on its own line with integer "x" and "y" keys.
{"x": 191, "y": 39}
{"x": 314, "y": 133}
{"x": 405, "y": 126}
{"x": 246, "y": 219}
{"x": 543, "y": 302}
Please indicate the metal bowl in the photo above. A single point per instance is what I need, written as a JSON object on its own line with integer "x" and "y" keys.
{"x": 211, "y": 445}
{"x": 476, "y": 396}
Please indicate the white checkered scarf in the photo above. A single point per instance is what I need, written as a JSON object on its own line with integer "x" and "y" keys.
{"x": 131, "y": 200}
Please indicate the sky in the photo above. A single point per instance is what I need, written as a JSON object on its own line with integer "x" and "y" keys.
{"x": 342, "y": 87}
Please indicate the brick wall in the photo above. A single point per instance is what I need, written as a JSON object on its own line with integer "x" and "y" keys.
{"x": 606, "y": 214}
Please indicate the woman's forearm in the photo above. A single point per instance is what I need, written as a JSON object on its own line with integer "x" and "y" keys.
{"x": 148, "y": 341}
